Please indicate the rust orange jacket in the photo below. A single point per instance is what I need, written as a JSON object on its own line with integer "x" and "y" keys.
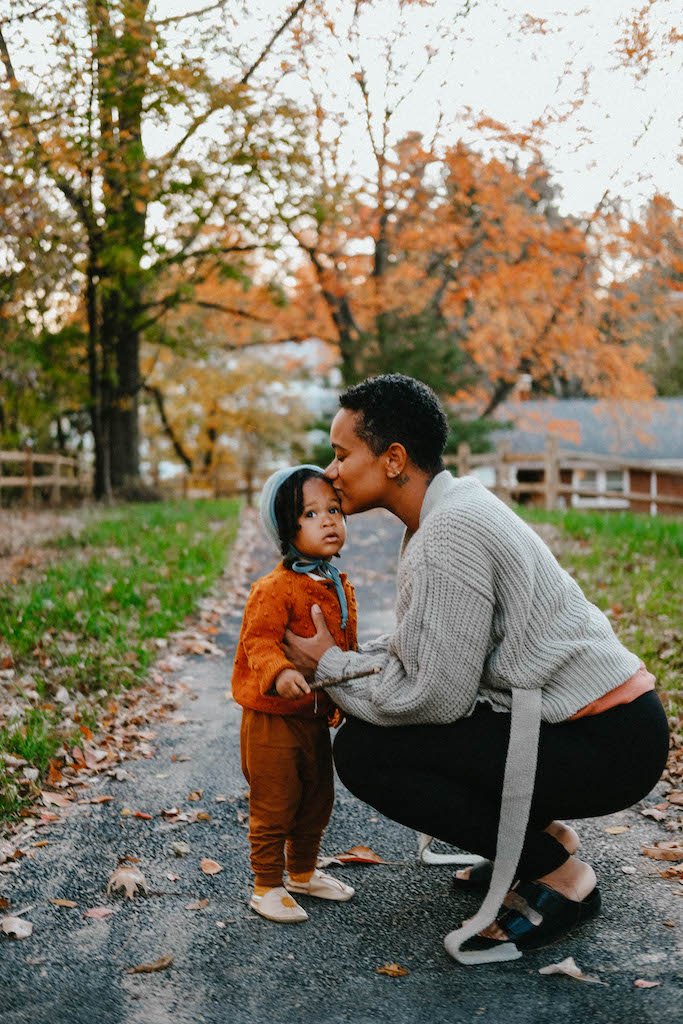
{"x": 279, "y": 601}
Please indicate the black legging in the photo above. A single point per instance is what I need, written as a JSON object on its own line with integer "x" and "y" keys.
{"x": 446, "y": 780}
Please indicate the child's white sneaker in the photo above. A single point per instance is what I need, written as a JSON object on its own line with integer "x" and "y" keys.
{"x": 324, "y": 886}
{"x": 278, "y": 905}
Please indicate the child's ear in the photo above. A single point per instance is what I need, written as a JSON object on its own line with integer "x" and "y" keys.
{"x": 395, "y": 459}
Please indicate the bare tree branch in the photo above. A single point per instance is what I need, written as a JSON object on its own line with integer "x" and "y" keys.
{"x": 268, "y": 47}
{"x": 189, "y": 14}
{"x": 158, "y": 397}
{"x": 14, "y": 19}
{"x": 77, "y": 201}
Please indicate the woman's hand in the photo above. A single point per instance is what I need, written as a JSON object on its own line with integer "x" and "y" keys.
{"x": 304, "y": 651}
{"x": 291, "y": 684}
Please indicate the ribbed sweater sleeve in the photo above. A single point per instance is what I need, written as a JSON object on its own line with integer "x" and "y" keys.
{"x": 422, "y": 679}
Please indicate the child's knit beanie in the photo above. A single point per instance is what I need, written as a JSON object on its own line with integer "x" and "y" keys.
{"x": 269, "y": 493}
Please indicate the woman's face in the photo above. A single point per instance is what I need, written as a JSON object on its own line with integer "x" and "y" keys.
{"x": 359, "y": 476}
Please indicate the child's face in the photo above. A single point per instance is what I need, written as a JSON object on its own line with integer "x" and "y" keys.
{"x": 322, "y": 530}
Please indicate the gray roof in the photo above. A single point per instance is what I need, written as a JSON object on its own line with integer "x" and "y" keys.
{"x": 637, "y": 430}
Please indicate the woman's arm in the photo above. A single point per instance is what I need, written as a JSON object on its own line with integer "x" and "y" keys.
{"x": 431, "y": 669}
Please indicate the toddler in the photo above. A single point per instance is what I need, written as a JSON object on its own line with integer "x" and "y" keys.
{"x": 284, "y": 738}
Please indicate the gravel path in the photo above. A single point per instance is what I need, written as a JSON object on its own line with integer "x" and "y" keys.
{"x": 230, "y": 965}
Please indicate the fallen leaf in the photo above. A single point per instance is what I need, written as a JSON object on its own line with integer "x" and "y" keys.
{"x": 180, "y": 849}
{"x": 159, "y": 965}
{"x": 642, "y": 983}
{"x": 198, "y": 905}
{"x": 669, "y": 924}
{"x": 16, "y": 926}
{"x": 676, "y": 797}
{"x": 628, "y": 869}
{"x": 55, "y": 799}
{"x": 570, "y": 968}
{"x": 210, "y": 867}
{"x": 664, "y": 851}
{"x": 655, "y": 813}
{"x": 63, "y": 903}
{"x": 142, "y": 814}
{"x": 129, "y": 878}
{"x": 195, "y": 795}
{"x": 40, "y": 844}
{"x": 4, "y": 904}
{"x": 98, "y": 912}
{"x": 675, "y": 871}
{"x": 171, "y": 877}
{"x": 102, "y": 799}
{"x": 616, "y": 830}
{"x": 359, "y": 855}
{"x": 392, "y": 970}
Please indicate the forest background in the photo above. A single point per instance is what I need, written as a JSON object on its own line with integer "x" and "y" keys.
{"x": 203, "y": 207}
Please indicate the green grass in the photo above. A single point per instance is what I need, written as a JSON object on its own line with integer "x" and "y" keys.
{"x": 629, "y": 565}
{"x": 89, "y": 622}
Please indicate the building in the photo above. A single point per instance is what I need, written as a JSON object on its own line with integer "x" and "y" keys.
{"x": 610, "y": 452}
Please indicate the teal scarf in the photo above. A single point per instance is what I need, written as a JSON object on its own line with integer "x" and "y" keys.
{"x": 321, "y": 567}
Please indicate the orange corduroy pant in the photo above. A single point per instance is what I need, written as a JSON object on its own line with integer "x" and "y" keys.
{"x": 287, "y": 762}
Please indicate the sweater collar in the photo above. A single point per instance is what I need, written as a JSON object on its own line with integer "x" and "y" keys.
{"x": 442, "y": 483}
{"x": 439, "y": 487}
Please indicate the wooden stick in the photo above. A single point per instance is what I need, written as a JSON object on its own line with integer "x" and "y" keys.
{"x": 343, "y": 679}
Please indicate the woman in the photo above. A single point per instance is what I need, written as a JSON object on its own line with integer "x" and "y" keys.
{"x": 502, "y": 702}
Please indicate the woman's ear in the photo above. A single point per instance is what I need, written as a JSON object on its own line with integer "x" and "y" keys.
{"x": 395, "y": 460}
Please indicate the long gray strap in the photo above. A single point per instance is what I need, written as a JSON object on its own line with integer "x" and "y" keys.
{"x": 518, "y": 788}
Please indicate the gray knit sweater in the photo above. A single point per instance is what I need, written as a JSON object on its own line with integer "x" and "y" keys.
{"x": 482, "y": 608}
{"x": 483, "y": 612}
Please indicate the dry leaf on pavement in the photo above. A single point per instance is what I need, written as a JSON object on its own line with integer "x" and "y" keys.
{"x": 127, "y": 877}
{"x": 664, "y": 851}
{"x": 616, "y": 830}
{"x": 55, "y": 799}
{"x": 198, "y": 905}
{"x": 642, "y": 983}
{"x": 570, "y": 968}
{"x": 180, "y": 849}
{"x": 97, "y": 913}
{"x": 359, "y": 855}
{"x": 210, "y": 867}
{"x": 16, "y": 927}
{"x": 63, "y": 903}
{"x": 392, "y": 970}
{"x": 158, "y": 965}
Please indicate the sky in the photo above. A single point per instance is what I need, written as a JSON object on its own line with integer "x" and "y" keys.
{"x": 626, "y": 137}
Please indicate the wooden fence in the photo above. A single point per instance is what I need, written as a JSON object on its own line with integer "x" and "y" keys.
{"x": 555, "y": 478}
{"x": 46, "y": 474}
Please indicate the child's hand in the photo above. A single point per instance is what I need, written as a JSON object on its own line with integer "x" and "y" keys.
{"x": 291, "y": 684}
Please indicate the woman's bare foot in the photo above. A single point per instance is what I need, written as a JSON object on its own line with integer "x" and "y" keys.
{"x": 564, "y": 834}
{"x": 574, "y": 879}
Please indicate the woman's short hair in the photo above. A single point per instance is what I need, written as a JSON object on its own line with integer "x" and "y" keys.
{"x": 393, "y": 408}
